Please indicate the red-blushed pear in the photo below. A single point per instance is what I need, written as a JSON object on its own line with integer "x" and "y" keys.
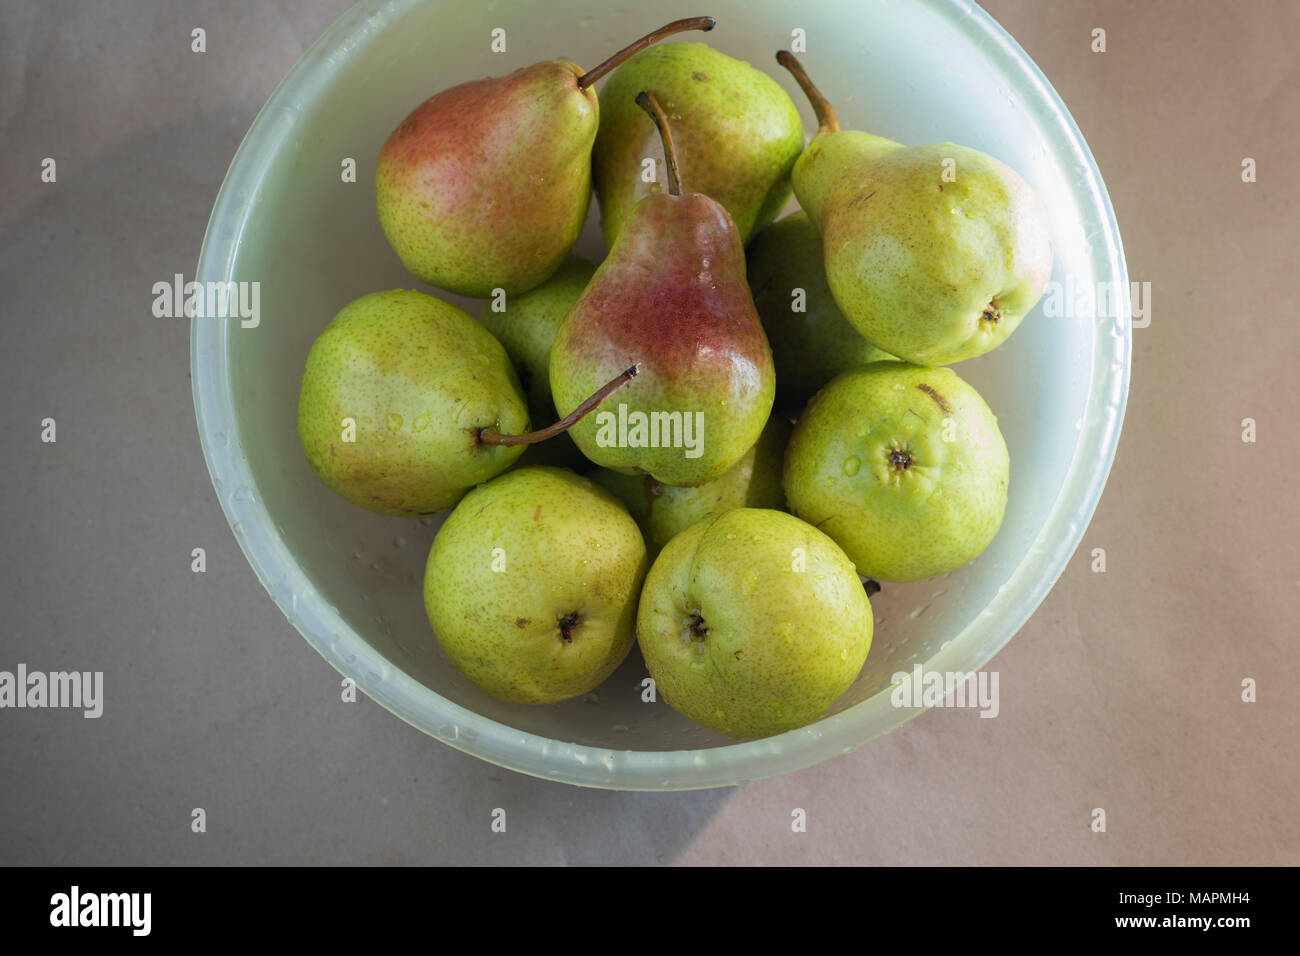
{"x": 672, "y": 299}
{"x": 486, "y": 185}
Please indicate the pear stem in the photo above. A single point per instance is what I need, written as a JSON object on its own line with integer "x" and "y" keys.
{"x": 826, "y": 118}
{"x": 646, "y": 100}
{"x": 490, "y": 436}
{"x": 677, "y": 26}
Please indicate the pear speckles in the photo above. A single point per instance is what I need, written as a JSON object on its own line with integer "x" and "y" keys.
{"x": 852, "y": 465}
{"x": 766, "y": 660}
{"x": 743, "y": 163}
{"x": 445, "y": 226}
{"x": 390, "y": 358}
{"x": 578, "y": 618}
{"x": 902, "y": 252}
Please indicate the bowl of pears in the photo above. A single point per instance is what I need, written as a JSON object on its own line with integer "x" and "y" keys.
{"x": 641, "y": 404}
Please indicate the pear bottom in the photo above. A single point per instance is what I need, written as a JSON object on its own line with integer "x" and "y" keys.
{"x": 532, "y": 585}
{"x": 753, "y": 623}
{"x": 903, "y": 466}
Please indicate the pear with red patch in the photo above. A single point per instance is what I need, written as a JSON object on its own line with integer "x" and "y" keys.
{"x": 672, "y": 300}
{"x": 486, "y": 185}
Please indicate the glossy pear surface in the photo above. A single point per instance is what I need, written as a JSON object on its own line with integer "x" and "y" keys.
{"x": 672, "y": 299}
{"x": 903, "y": 466}
{"x": 811, "y": 340}
{"x": 393, "y": 395}
{"x": 737, "y": 135}
{"x": 532, "y": 585}
{"x": 753, "y": 623}
{"x": 486, "y": 185}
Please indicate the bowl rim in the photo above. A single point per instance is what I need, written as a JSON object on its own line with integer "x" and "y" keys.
{"x": 326, "y": 630}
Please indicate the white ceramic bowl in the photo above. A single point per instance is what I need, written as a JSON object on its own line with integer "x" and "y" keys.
{"x": 350, "y": 580}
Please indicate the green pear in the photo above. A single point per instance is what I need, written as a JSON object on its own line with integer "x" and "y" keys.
{"x": 737, "y": 135}
{"x": 532, "y": 585}
{"x": 486, "y": 185}
{"x": 753, "y": 623}
{"x": 934, "y": 253}
{"x": 526, "y": 326}
{"x": 903, "y": 466}
{"x": 811, "y": 340}
{"x": 663, "y": 511}
{"x": 394, "y": 395}
{"x": 671, "y": 299}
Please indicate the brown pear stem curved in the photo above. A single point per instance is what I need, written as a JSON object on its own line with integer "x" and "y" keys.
{"x": 646, "y": 100}
{"x": 667, "y": 30}
{"x": 826, "y": 118}
{"x": 490, "y": 436}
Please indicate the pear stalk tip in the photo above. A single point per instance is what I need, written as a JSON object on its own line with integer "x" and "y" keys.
{"x": 827, "y": 121}
{"x": 668, "y": 29}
